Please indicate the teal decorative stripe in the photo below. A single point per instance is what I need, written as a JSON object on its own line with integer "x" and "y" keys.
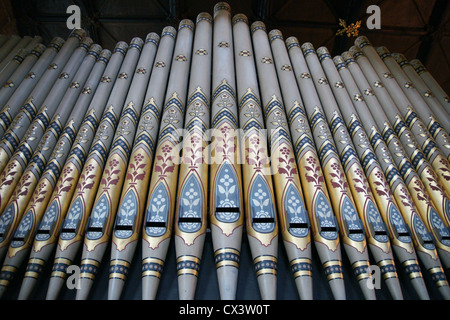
{"x": 34, "y": 267}
{"x": 224, "y": 116}
{"x": 117, "y": 269}
{"x": 87, "y": 268}
{"x": 188, "y": 266}
{"x": 198, "y": 95}
{"x": 196, "y": 123}
{"x": 220, "y": 89}
{"x": 302, "y": 143}
{"x": 157, "y": 267}
{"x": 301, "y": 266}
{"x": 334, "y": 269}
{"x": 59, "y": 267}
{"x": 266, "y": 266}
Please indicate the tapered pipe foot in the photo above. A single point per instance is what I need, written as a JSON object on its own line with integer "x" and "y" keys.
{"x": 150, "y": 286}
{"x": 338, "y": 289}
{"x": 368, "y": 293}
{"x": 54, "y": 288}
{"x": 267, "y": 284}
{"x": 27, "y": 287}
{"x": 304, "y": 287}
{"x": 394, "y": 288}
{"x": 85, "y": 288}
{"x": 445, "y": 292}
{"x": 2, "y": 290}
{"x": 115, "y": 288}
{"x": 3, "y": 251}
{"x": 227, "y": 278}
{"x": 187, "y": 284}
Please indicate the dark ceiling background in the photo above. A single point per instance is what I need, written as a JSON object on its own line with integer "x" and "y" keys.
{"x": 417, "y": 28}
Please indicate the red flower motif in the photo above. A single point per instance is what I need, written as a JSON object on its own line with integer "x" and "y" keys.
{"x": 284, "y": 151}
{"x": 195, "y": 140}
{"x": 255, "y": 140}
{"x": 139, "y": 157}
{"x": 166, "y": 149}
{"x": 114, "y": 163}
{"x": 225, "y": 130}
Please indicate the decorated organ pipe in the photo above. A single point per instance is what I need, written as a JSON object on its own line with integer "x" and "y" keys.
{"x": 390, "y": 191}
{"x": 18, "y": 58}
{"x": 147, "y": 137}
{"x": 39, "y": 144}
{"x": 60, "y": 120}
{"x": 131, "y": 207}
{"x": 373, "y": 201}
{"x": 22, "y": 180}
{"x": 158, "y": 222}
{"x": 324, "y": 224}
{"x": 55, "y": 150}
{"x": 261, "y": 221}
{"x": 43, "y": 100}
{"x": 72, "y": 227}
{"x": 350, "y": 224}
{"x": 15, "y": 94}
{"x": 15, "y": 79}
{"x": 16, "y": 61}
{"x": 191, "y": 204}
{"x": 25, "y": 44}
{"x": 80, "y": 145}
{"x": 292, "y": 215}
{"x": 221, "y": 132}
{"x": 311, "y": 175}
{"x": 141, "y": 159}
{"x": 429, "y": 135}
{"x": 55, "y": 212}
{"x": 417, "y": 193}
{"x": 22, "y": 44}
{"x": 435, "y": 105}
{"x": 82, "y": 204}
{"x": 437, "y": 127}
{"x": 120, "y": 217}
{"x": 89, "y": 173}
{"x": 431, "y": 82}
{"x": 356, "y": 183}
{"x": 226, "y": 212}
{"x": 23, "y": 155}
{"x": 8, "y": 46}
{"x": 34, "y": 202}
{"x": 428, "y": 194}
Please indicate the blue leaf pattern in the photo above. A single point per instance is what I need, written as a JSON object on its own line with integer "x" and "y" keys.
{"x": 49, "y": 218}
{"x": 352, "y": 219}
{"x": 157, "y": 210}
{"x": 190, "y": 204}
{"x": 296, "y": 212}
{"x": 227, "y": 194}
{"x": 377, "y": 223}
{"x": 324, "y": 214}
{"x": 21, "y": 231}
{"x": 6, "y": 219}
{"x": 73, "y": 216}
{"x": 98, "y": 217}
{"x": 126, "y": 214}
{"x": 400, "y": 225}
{"x": 261, "y": 206}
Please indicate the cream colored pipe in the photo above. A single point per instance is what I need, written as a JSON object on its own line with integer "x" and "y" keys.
{"x": 259, "y": 200}
{"x": 431, "y": 82}
{"x": 225, "y": 178}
